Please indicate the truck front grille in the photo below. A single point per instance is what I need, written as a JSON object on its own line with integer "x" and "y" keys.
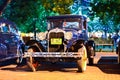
{"x": 56, "y": 42}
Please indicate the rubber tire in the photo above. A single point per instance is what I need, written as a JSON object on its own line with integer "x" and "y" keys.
{"x": 91, "y": 57}
{"x": 31, "y": 61}
{"x": 91, "y": 61}
{"x": 81, "y": 64}
{"x": 90, "y": 52}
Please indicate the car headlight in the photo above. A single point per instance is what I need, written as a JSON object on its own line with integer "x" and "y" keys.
{"x": 68, "y": 35}
{"x": 42, "y": 35}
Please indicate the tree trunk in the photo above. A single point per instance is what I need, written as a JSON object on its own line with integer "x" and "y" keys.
{"x": 3, "y": 6}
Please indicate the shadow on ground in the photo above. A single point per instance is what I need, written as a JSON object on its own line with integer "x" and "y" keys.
{"x": 109, "y": 65}
{"x": 60, "y": 66}
{"x": 46, "y": 66}
{"x": 7, "y": 62}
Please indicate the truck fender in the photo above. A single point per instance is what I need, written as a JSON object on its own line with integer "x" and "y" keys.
{"x": 76, "y": 45}
{"x": 36, "y": 44}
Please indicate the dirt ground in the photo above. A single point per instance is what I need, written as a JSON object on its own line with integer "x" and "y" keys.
{"x": 105, "y": 68}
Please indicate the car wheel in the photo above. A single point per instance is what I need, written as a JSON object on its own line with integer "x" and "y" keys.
{"x": 91, "y": 61}
{"x": 91, "y": 54}
{"x": 32, "y": 62}
{"x": 90, "y": 46}
{"x": 81, "y": 64}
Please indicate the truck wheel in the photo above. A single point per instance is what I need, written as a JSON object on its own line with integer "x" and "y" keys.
{"x": 31, "y": 62}
{"x": 91, "y": 54}
{"x": 81, "y": 64}
{"x": 91, "y": 61}
{"x": 90, "y": 46}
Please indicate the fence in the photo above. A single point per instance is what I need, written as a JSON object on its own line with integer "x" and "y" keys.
{"x": 104, "y": 47}
{"x": 104, "y": 44}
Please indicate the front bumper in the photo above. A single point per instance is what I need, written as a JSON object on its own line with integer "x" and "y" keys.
{"x": 53, "y": 54}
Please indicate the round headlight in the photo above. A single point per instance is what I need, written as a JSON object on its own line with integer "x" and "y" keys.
{"x": 68, "y": 35}
{"x": 42, "y": 35}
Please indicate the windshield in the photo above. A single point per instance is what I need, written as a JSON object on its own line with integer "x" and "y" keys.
{"x": 63, "y": 24}
{"x": 71, "y": 24}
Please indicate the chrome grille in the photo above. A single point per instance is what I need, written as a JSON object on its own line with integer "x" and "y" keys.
{"x": 58, "y": 47}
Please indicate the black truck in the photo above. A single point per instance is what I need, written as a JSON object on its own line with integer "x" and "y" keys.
{"x": 65, "y": 40}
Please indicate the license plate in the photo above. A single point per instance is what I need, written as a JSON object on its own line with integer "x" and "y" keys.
{"x": 56, "y": 41}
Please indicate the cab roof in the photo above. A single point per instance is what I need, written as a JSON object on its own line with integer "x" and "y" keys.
{"x": 66, "y": 16}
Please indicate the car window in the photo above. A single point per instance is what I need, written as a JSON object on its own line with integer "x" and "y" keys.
{"x": 5, "y": 29}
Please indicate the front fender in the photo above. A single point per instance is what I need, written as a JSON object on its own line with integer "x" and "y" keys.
{"x": 76, "y": 45}
{"x": 31, "y": 42}
{"x": 36, "y": 44}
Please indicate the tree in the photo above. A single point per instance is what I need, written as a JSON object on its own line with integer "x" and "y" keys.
{"x": 29, "y": 13}
{"x": 107, "y": 11}
{"x": 26, "y": 14}
{"x": 80, "y": 7}
{"x": 58, "y": 6}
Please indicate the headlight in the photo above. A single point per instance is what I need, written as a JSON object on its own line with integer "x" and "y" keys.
{"x": 42, "y": 35}
{"x": 68, "y": 35}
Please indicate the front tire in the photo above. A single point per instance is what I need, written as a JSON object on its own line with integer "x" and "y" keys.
{"x": 32, "y": 62}
{"x": 81, "y": 64}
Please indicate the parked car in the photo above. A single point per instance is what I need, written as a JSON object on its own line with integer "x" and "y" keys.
{"x": 118, "y": 49}
{"x": 65, "y": 40}
{"x": 11, "y": 45}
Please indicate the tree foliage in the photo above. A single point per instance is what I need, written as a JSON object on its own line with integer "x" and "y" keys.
{"x": 107, "y": 10}
{"x": 3, "y": 5}
{"x": 58, "y": 6}
{"x": 29, "y": 13}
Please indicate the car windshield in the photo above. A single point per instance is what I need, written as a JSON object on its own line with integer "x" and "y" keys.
{"x": 63, "y": 24}
{"x": 71, "y": 25}
{"x": 66, "y": 21}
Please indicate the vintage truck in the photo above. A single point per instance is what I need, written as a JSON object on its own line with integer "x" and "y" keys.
{"x": 11, "y": 44}
{"x": 65, "y": 40}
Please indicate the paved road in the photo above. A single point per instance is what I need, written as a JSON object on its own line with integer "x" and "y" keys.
{"x": 105, "y": 68}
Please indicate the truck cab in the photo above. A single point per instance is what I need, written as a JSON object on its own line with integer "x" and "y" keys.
{"x": 66, "y": 39}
